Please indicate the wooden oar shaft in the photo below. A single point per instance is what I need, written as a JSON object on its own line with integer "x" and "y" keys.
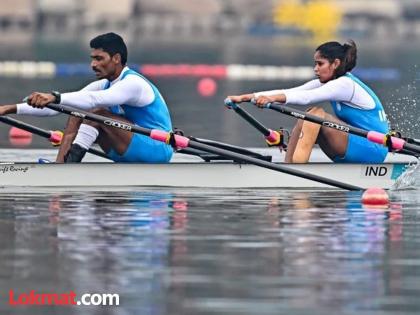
{"x": 183, "y": 142}
{"x": 41, "y": 132}
{"x": 377, "y": 137}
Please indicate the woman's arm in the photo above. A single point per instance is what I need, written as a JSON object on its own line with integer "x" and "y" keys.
{"x": 341, "y": 90}
{"x": 313, "y": 84}
{"x": 248, "y": 97}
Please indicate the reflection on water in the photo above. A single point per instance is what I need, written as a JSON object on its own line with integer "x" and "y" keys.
{"x": 206, "y": 252}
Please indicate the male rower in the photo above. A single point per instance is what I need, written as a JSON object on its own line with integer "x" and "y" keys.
{"x": 119, "y": 93}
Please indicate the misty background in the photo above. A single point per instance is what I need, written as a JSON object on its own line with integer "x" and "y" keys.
{"x": 228, "y": 47}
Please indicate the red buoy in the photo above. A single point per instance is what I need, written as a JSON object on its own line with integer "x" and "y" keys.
{"x": 19, "y": 137}
{"x": 207, "y": 87}
{"x": 375, "y": 197}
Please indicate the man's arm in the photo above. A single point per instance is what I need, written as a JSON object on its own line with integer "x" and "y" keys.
{"x": 133, "y": 91}
{"x": 25, "y": 109}
{"x": 8, "y": 109}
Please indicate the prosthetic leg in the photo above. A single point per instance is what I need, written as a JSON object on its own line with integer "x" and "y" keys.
{"x": 75, "y": 154}
{"x": 85, "y": 138}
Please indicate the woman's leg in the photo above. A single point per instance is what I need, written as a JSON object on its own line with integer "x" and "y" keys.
{"x": 303, "y": 138}
{"x": 305, "y": 134}
{"x": 331, "y": 141}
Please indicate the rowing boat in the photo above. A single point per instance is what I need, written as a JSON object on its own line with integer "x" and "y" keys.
{"x": 240, "y": 168}
{"x": 217, "y": 174}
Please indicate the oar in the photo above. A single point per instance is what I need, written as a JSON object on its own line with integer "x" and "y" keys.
{"x": 413, "y": 141}
{"x": 208, "y": 157}
{"x": 53, "y": 136}
{"x": 374, "y": 136}
{"x": 232, "y": 148}
{"x": 184, "y": 142}
{"x": 271, "y": 136}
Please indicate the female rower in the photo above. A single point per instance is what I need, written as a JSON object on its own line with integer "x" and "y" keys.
{"x": 353, "y": 102}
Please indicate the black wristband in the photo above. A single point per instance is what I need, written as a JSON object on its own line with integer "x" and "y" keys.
{"x": 57, "y": 96}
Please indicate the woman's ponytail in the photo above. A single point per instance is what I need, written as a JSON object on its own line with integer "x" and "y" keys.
{"x": 350, "y": 58}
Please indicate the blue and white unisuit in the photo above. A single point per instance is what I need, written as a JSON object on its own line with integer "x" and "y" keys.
{"x": 355, "y": 104}
{"x": 152, "y": 116}
{"x": 360, "y": 149}
{"x": 132, "y": 96}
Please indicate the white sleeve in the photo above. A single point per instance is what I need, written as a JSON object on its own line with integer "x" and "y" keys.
{"x": 95, "y": 85}
{"x": 340, "y": 90}
{"x": 313, "y": 84}
{"x": 25, "y": 109}
{"x": 133, "y": 90}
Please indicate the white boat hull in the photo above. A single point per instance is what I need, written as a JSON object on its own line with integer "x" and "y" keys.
{"x": 194, "y": 174}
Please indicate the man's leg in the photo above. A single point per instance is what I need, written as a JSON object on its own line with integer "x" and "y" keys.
{"x": 73, "y": 124}
{"x": 106, "y": 136}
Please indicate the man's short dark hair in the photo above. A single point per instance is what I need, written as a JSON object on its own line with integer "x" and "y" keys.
{"x": 112, "y": 44}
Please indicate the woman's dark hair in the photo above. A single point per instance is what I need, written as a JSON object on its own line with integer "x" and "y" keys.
{"x": 112, "y": 44}
{"x": 346, "y": 53}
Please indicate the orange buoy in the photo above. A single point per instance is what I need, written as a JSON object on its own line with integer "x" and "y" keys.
{"x": 207, "y": 87}
{"x": 375, "y": 197}
{"x": 19, "y": 137}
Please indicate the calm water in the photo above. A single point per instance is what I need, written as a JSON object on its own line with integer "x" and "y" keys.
{"x": 212, "y": 252}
